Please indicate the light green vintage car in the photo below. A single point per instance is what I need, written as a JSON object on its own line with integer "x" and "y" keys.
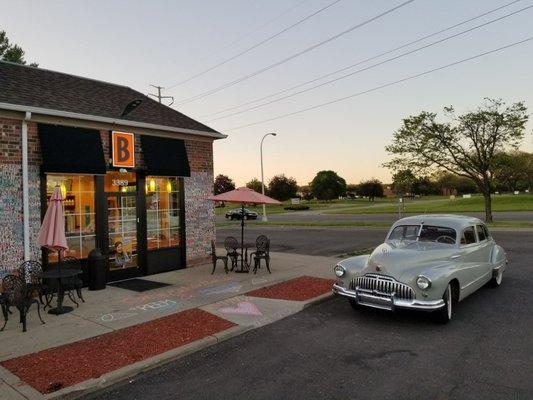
{"x": 427, "y": 263}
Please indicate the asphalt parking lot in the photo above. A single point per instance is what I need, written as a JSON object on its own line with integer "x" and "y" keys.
{"x": 332, "y": 351}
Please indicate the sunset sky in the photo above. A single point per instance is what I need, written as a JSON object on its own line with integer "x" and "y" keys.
{"x": 138, "y": 43}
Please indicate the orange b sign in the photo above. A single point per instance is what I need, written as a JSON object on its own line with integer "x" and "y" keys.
{"x": 123, "y": 147}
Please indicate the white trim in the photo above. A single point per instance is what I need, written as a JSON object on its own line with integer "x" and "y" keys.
{"x": 25, "y": 188}
{"x": 116, "y": 121}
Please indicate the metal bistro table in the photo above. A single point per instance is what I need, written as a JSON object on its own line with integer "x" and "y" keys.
{"x": 59, "y": 275}
{"x": 245, "y": 265}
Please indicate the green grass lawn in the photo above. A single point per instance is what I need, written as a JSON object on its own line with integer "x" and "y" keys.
{"x": 523, "y": 202}
{"x": 313, "y": 205}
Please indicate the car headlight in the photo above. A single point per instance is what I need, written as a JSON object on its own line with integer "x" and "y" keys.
{"x": 339, "y": 270}
{"x": 423, "y": 283}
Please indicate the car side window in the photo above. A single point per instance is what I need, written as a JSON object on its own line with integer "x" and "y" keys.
{"x": 481, "y": 233}
{"x": 468, "y": 236}
{"x": 487, "y": 234}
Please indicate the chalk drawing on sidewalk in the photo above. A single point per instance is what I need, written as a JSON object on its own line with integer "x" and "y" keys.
{"x": 156, "y": 305}
{"x": 116, "y": 316}
{"x": 232, "y": 287}
{"x": 259, "y": 281}
{"x": 242, "y": 308}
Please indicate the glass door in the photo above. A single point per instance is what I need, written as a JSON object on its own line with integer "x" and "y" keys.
{"x": 122, "y": 231}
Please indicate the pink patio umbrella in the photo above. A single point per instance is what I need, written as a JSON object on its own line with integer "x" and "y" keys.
{"x": 243, "y": 195}
{"x": 52, "y": 232}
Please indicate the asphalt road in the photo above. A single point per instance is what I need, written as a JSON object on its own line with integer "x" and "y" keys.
{"x": 319, "y": 216}
{"x": 332, "y": 351}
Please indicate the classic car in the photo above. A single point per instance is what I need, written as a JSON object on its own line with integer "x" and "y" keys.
{"x": 238, "y": 214}
{"x": 427, "y": 263}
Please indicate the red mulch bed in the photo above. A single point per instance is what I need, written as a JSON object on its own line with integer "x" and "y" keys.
{"x": 299, "y": 289}
{"x": 52, "y": 369}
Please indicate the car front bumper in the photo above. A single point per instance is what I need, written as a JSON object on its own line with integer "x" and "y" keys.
{"x": 386, "y": 302}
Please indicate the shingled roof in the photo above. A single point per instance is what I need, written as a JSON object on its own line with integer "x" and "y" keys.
{"x": 45, "y": 89}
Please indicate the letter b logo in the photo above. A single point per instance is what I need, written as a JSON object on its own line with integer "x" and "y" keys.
{"x": 123, "y": 149}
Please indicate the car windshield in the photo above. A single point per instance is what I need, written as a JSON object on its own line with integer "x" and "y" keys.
{"x": 424, "y": 233}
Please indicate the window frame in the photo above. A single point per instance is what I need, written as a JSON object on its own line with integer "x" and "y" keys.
{"x": 479, "y": 228}
{"x": 473, "y": 227}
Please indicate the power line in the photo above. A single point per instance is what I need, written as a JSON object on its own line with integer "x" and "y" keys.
{"x": 373, "y": 65}
{"x": 361, "y": 62}
{"x": 382, "y": 86}
{"x": 283, "y": 61}
{"x": 205, "y": 71}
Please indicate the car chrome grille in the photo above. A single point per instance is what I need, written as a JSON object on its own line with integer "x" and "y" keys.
{"x": 383, "y": 284}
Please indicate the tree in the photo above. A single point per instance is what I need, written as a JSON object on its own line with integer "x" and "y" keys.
{"x": 223, "y": 183}
{"x": 282, "y": 188}
{"x": 255, "y": 184}
{"x": 306, "y": 192}
{"x": 511, "y": 172}
{"x": 351, "y": 190}
{"x": 425, "y": 186}
{"x": 403, "y": 181}
{"x": 371, "y": 188}
{"x": 327, "y": 185}
{"x": 465, "y": 146}
{"x": 12, "y": 52}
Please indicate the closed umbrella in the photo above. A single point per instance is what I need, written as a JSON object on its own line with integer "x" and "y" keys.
{"x": 243, "y": 195}
{"x": 52, "y": 232}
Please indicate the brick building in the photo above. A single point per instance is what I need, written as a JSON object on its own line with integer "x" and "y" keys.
{"x": 134, "y": 173}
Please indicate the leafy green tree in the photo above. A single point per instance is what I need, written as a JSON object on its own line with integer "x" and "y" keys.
{"x": 371, "y": 188}
{"x": 511, "y": 171}
{"x": 467, "y": 145}
{"x": 12, "y": 52}
{"x": 306, "y": 192}
{"x": 255, "y": 184}
{"x": 282, "y": 188}
{"x": 223, "y": 184}
{"x": 425, "y": 186}
{"x": 403, "y": 181}
{"x": 327, "y": 185}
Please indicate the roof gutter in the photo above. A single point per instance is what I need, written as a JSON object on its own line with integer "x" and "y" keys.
{"x": 114, "y": 121}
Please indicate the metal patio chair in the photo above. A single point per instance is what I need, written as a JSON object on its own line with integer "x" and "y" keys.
{"x": 215, "y": 258}
{"x": 30, "y": 272}
{"x": 18, "y": 294}
{"x": 75, "y": 283}
{"x": 262, "y": 252}
{"x": 231, "y": 244}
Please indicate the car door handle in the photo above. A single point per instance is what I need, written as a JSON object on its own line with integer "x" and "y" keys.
{"x": 455, "y": 256}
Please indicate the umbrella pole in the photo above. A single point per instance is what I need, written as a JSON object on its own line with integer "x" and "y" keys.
{"x": 242, "y": 237}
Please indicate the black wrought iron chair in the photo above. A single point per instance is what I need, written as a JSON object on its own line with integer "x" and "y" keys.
{"x": 231, "y": 244}
{"x": 75, "y": 283}
{"x": 31, "y": 271}
{"x": 215, "y": 258}
{"x": 4, "y": 307}
{"x": 18, "y": 294}
{"x": 262, "y": 252}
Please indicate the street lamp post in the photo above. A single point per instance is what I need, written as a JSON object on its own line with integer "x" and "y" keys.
{"x": 264, "y": 219}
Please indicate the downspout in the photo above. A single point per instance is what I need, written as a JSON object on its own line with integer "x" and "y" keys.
{"x": 25, "y": 187}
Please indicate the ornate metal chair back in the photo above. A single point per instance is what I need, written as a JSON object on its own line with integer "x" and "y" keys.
{"x": 231, "y": 244}
{"x": 262, "y": 244}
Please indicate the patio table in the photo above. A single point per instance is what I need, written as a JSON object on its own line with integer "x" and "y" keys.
{"x": 59, "y": 275}
{"x": 245, "y": 267}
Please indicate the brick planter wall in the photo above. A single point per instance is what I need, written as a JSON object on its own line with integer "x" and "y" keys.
{"x": 199, "y": 213}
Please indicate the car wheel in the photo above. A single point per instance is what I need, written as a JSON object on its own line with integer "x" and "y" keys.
{"x": 354, "y": 304}
{"x": 444, "y": 315}
{"x": 496, "y": 281}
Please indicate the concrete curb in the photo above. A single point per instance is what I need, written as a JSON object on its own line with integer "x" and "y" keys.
{"x": 22, "y": 389}
{"x": 317, "y": 300}
{"x": 132, "y": 370}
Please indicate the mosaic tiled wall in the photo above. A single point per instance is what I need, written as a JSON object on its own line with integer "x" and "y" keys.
{"x": 11, "y": 225}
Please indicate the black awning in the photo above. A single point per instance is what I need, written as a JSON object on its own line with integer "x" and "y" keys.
{"x": 71, "y": 150}
{"x": 164, "y": 156}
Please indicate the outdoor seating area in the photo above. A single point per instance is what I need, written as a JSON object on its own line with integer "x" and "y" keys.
{"x": 30, "y": 285}
{"x": 243, "y": 256}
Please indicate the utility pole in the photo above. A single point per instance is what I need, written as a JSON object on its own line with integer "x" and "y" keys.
{"x": 159, "y": 96}
{"x": 265, "y": 219}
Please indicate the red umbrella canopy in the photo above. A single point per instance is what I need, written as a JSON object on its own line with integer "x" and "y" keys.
{"x": 52, "y": 232}
{"x": 244, "y": 195}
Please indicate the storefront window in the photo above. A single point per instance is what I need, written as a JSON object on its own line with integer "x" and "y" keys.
{"x": 78, "y": 195}
{"x": 162, "y": 212}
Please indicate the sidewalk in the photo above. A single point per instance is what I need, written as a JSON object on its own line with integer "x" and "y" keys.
{"x": 118, "y": 333}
